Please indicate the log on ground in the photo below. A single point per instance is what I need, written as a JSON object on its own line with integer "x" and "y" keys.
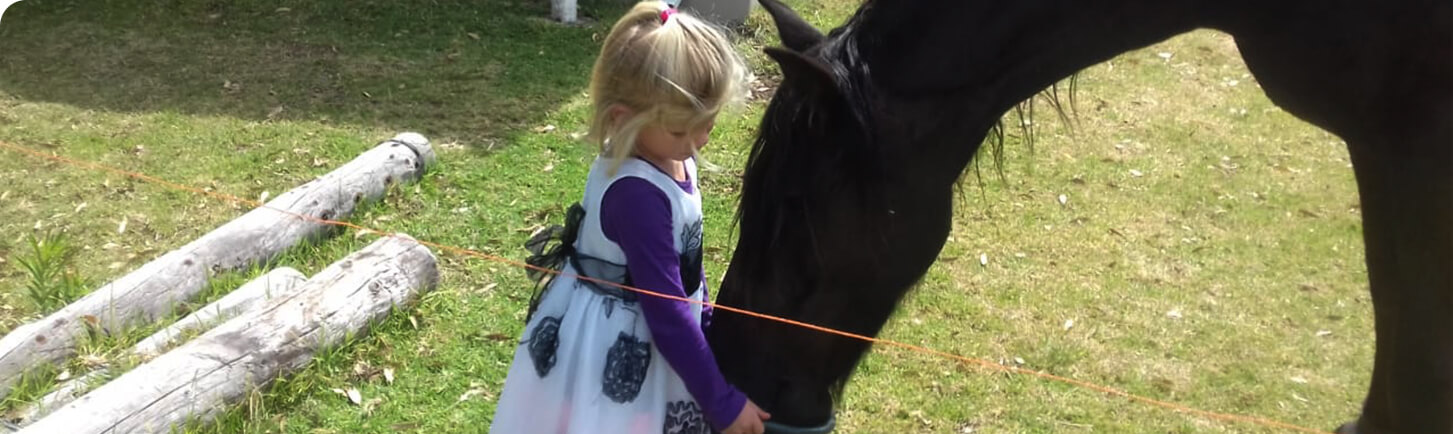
{"x": 278, "y": 283}
{"x": 152, "y": 291}
{"x": 203, "y": 376}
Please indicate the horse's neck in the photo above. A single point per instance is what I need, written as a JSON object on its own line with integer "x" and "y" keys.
{"x": 1001, "y": 52}
{"x": 943, "y": 71}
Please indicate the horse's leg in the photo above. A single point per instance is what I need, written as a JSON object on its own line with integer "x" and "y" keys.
{"x": 1370, "y": 82}
{"x": 1407, "y": 205}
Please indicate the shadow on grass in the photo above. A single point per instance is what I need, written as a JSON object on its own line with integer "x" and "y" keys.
{"x": 465, "y": 70}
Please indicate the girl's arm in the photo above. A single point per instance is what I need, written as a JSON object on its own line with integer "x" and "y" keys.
{"x": 706, "y": 309}
{"x": 637, "y": 216}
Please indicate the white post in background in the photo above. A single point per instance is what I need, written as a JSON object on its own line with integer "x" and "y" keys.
{"x": 563, "y": 11}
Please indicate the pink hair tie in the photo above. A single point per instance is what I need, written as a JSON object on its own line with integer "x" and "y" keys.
{"x": 666, "y": 14}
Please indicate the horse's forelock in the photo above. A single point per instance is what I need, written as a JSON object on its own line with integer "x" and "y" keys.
{"x": 783, "y": 159}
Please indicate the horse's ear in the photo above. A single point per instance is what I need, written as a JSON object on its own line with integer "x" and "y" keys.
{"x": 795, "y": 33}
{"x": 806, "y": 70}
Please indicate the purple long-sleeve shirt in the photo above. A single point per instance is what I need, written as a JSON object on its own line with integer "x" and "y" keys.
{"x": 637, "y": 216}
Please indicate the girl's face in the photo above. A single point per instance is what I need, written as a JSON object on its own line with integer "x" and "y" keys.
{"x": 661, "y": 141}
{"x": 673, "y": 142}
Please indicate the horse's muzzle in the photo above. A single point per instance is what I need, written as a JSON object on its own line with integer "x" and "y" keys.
{"x": 777, "y": 428}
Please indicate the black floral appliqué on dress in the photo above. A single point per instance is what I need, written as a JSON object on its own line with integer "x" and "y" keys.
{"x": 625, "y": 368}
{"x": 684, "y": 417}
{"x": 544, "y": 341}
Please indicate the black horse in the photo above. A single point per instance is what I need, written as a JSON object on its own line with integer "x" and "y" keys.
{"x": 847, "y": 195}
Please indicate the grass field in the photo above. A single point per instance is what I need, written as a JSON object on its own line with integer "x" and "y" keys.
{"x": 1207, "y": 250}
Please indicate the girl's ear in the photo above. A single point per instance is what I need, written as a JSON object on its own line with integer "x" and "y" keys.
{"x": 618, "y": 115}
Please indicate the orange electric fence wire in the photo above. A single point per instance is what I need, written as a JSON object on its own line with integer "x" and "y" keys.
{"x": 467, "y": 252}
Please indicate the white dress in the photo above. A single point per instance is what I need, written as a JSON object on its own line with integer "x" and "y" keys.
{"x": 586, "y": 362}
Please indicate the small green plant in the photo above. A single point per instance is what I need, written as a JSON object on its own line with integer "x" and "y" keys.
{"x": 52, "y": 282}
{"x": 33, "y": 384}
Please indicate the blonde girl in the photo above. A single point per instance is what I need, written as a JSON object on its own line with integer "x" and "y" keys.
{"x": 596, "y": 358}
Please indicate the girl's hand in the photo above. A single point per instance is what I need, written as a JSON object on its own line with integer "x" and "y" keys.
{"x": 749, "y": 421}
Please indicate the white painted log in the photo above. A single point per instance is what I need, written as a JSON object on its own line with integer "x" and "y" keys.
{"x": 203, "y": 376}
{"x": 278, "y": 283}
{"x": 158, "y": 286}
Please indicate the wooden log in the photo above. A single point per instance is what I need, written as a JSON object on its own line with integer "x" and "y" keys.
{"x": 201, "y": 377}
{"x": 254, "y": 238}
{"x": 280, "y": 282}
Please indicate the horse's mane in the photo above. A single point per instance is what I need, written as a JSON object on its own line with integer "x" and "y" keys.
{"x": 799, "y": 164}
{"x": 857, "y": 167}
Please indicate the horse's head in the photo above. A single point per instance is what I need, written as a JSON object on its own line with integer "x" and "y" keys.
{"x": 835, "y": 225}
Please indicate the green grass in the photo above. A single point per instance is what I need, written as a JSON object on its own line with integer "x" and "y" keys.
{"x": 1243, "y": 221}
{"x": 48, "y": 283}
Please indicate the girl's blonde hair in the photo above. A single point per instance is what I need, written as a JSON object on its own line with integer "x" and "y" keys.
{"x": 680, "y": 71}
